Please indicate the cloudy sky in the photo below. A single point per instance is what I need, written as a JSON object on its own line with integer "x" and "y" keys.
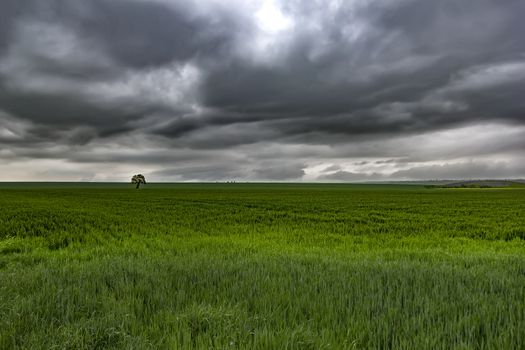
{"x": 275, "y": 90}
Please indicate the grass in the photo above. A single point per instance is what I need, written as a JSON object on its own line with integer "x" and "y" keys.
{"x": 261, "y": 266}
{"x": 480, "y": 184}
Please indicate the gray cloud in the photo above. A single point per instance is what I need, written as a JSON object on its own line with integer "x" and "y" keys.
{"x": 281, "y": 172}
{"x": 347, "y": 176}
{"x": 466, "y": 170}
{"x": 208, "y": 172}
{"x": 205, "y": 90}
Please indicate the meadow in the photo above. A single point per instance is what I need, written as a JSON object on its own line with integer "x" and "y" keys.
{"x": 261, "y": 266}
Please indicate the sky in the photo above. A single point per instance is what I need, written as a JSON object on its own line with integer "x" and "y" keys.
{"x": 262, "y": 90}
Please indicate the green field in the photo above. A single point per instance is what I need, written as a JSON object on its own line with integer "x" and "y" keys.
{"x": 261, "y": 266}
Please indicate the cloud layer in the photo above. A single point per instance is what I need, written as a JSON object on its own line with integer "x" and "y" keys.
{"x": 262, "y": 90}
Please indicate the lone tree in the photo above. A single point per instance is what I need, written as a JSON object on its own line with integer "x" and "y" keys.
{"x": 138, "y": 179}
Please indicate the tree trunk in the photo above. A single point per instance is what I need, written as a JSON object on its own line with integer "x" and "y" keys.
{"x": 138, "y": 184}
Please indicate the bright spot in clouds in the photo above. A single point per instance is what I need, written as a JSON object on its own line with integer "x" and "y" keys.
{"x": 270, "y": 18}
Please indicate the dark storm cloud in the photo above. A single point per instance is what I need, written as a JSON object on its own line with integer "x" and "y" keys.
{"x": 65, "y": 63}
{"x": 143, "y": 34}
{"x": 137, "y": 33}
{"x": 408, "y": 72}
{"x": 339, "y": 79}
